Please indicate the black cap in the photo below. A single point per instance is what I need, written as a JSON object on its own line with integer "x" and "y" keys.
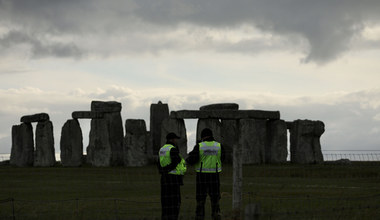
{"x": 206, "y": 133}
{"x": 172, "y": 136}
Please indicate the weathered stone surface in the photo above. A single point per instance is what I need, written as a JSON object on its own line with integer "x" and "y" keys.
{"x": 87, "y": 115}
{"x": 158, "y": 112}
{"x": 277, "y": 151}
{"x": 230, "y": 136}
{"x": 99, "y": 149}
{"x": 116, "y": 137}
{"x": 44, "y": 156}
{"x": 71, "y": 144}
{"x": 220, "y": 106}
{"x": 253, "y": 138}
{"x": 135, "y": 143}
{"x": 226, "y": 114}
{"x": 40, "y": 117}
{"x": 22, "y": 152}
{"x": 177, "y": 126}
{"x": 99, "y": 106}
{"x": 213, "y": 124}
{"x": 305, "y": 146}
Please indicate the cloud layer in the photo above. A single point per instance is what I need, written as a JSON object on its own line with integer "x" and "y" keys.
{"x": 323, "y": 30}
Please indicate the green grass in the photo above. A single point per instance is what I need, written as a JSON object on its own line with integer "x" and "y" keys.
{"x": 284, "y": 191}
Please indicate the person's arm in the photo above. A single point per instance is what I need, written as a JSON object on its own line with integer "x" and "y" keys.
{"x": 193, "y": 157}
{"x": 175, "y": 158}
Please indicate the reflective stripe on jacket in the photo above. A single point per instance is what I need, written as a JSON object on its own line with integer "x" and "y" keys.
{"x": 209, "y": 157}
{"x": 164, "y": 155}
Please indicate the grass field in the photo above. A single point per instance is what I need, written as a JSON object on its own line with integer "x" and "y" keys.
{"x": 284, "y": 191}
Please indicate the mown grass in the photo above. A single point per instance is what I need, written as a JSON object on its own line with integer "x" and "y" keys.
{"x": 283, "y": 191}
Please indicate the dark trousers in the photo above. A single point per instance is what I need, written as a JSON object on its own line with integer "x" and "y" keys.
{"x": 170, "y": 196}
{"x": 208, "y": 184}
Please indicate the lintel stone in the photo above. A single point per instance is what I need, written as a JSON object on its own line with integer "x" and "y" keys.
{"x": 99, "y": 106}
{"x": 87, "y": 115}
{"x": 220, "y": 106}
{"x": 226, "y": 114}
{"x": 40, "y": 117}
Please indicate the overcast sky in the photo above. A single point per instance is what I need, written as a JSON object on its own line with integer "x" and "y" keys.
{"x": 309, "y": 59}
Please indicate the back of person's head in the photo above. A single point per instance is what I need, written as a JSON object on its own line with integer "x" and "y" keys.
{"x": 206, "y": 133}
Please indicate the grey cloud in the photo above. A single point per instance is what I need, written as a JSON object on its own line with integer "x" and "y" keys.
{"x": 39, "y": 48}
{"x": 327, "y": 25}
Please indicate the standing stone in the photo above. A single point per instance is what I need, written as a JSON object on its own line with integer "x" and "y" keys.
{"x": 229, "y": 133}
{"x": 213, "y": 124}
{"x": 44, "y": 156}
{"x": 112, "y": 116}
{"x": 158, "y": 112}
{"x": 135, "y": 143}
{"x": 22, "y": 153}
{"x": 71, "y": 144}
{"x": 305, "y": 146}
{"x": 116, "y": 135}
{"x": 253, "y": 137}
{"x": 99, "y": 149}
{"x": 277, "y": 150}
{"x": 178, "y": 127}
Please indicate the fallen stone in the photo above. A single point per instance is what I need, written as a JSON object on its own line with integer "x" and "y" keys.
{"x": 226, "y": 114}
{"x": 44, "y": 156}
{"x": 135, "y": 143}
{"x": 178, "y": 127}
{"x": 87, "y": 115}
{"x": 71, "y": 144}
{"x": 158, "y": 112}
{"x": 99, "y": 106}
{"x": 253, "y": 138}
{"x": 305, "y": 146}
{"x": 220, "y": 106}
{"x": 22, "y": 152}
{"x": 40, "y": 117}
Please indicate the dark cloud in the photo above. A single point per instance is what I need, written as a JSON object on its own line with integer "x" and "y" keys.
{"x": 39, "y": 48}
{"x": 327, "y": 25}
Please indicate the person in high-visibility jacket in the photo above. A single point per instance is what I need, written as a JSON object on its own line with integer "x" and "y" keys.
{"x": 172, "y": 167}
{"x": 207, "y": 157}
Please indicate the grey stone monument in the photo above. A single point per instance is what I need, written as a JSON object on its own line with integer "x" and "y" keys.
{"x": 253, "y": 138}
{"x": 158, "y": 112}
{"x": 22, "y": 152}
{"x": 177, "y": 126}
{"x": 99, "y": 152}
{"x": 214, "y": 124}
{"x": 228, "y": 128}
{"x": 106, "y": 135}
{"x": 135, "y": 143}
{"x": 305, "y": 146}
{"x": 44, "y": 156}
{"x": 71, "y": 144}
{"x": 276, "y": 151}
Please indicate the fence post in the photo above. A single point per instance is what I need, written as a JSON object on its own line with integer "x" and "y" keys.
{"x": 13, "y": 208}
{"x": 237, "y": 175}
{"x": 116, "y": 209}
